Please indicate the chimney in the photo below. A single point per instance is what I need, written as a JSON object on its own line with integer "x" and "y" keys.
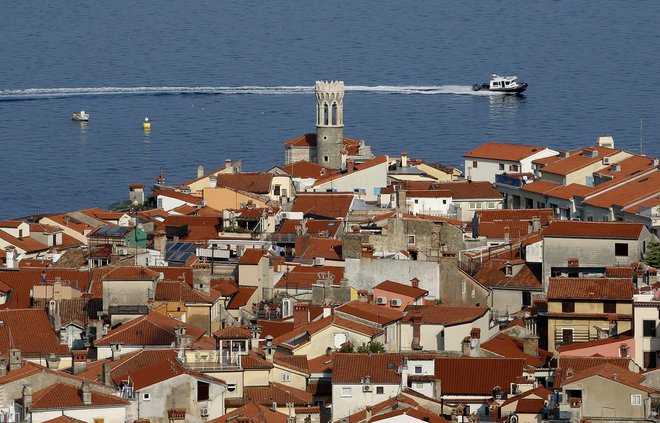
{"x": 368, "y": 411}
{"x": 300, "y": 314}
{"x": 229, "y": 166}
{"x": 86, "y": 393}
{"x": 53, "y": 361}
{"x": 79, "y": 361}
{"x": 536, "y": 223}
{"x": 27, "y": 399}
{"x": 106, "y": 378}
{"x": 183, "y": 340}
{"x": 10, "y": 257}
{"x": 404, "y": 159}
{"x": 531, "y": 345}
{"x": 200, "y": 171}
{"x": 15, "y": 359}
{"x": 344, "y": 155}
{"x": 3, "y": 366}
{"x": 255, "y": 330}
{"x": 475, "y": 342}
{"x": 115, "y": 349}
{"x": 213, "y": 181}
{"x": 270, "y": 348}
{"x": 623, "y": 350}
{"x": 414, "y": 282}
{"x": 160, "y": 242}
{"x": 54, "y": 313}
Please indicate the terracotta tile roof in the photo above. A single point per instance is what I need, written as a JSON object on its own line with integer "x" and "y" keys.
{"x": 498, "y": 229}
{"x": 628, "y": 194}
{"x": 255, "y": 182}
{"x": 530, "y": 406}
{"x": 22, "y": 281}
{"x": 63, "y": 395}
{"x": 77, "y": 310}
{"x": 469, "y": 190}
{"x": 508, "y": 347}
{"x": 133, "y": 273}
{"x": 610, "y": 230}
{"x": 64, "y": 419}
{"x": 48, "y": 229}
{"x": 435, "y": 314}
{"x": 185, "y": 209}
{"x": 370, "y": 312}
{"x": 327, "y": 248}
{"x": 302, "y": 277}
{"x": 313, "y": 327}
{"x": 305, "y": 169}
{"x": 152, "y": 329}
{"x": 382, "y": 407}
{"x": 10, "y": 223}
{"x": 233, "y": 332}
{"x": 610, "y": 371}
{"x": 29, "y": 330}
{"x": 620, "y": 272}
{"x": 569, "y": 191}
{"x": 402, "y": 289}
{"x": 35, "y": 264}
{"x": 624, "y": 337}
{"x": 294, "y": 362}
{"x": 200, "y": 228}
{"x": 173, "y": 273}
{"x": 540, "y": 187}
{"x": 181, "y": 291}
{"x": 267, "y": 395}
{"x": 27, "y": 244}
{"x": 309, "y": 140}
{"x": 590, "y": 289}
{"x": 576, "y": 364}
{"x": 477, "y": 376}
{"x": 251, "y": 413}
{"x": 323, "y": 205}
{"x": 493, "y": 274}
{"x": 274, "y": 328}
{"x": 545, "y": 215}
{"x": 322, "y": 364}
{"x": 191, "y": 199}
{"x": 351, "y": 368}
{"x": 241, "y": 298}
{"x": 252, "y": 256}
{"x": 420, "y": 413}
{"x": 503, "y": 151}
{"x": 314, "y": 227}
{"x": 577, "y": 160}
{"x": 536, "y": 393}
{"x": 255, "y": 361}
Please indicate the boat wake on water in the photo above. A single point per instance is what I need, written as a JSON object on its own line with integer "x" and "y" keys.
{"x": 37, "y": 93}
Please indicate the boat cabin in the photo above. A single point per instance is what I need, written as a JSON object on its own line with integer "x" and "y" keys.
{"x": 499, "y": 82}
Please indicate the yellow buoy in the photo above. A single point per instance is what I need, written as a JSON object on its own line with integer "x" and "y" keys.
{"x": 146, "y": 124}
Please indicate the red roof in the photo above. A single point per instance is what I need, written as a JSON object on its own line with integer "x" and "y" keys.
{"x": 352, "y": 368}
{"x": 27, "y": 244}
{"x": 152, "y": 329}
{"x": 493, "y": 274}
{"x": 251, "y": 413}
{"x": 313, "y": 327}
{"x": 133, "y": 273}
{"x": 578, "y": 160}
{"x": 503, "y": 151}
{"x": 241, "y": 298}
{"x": 469, "y": 190}
{"x": 252, "y": 256}
{"x": 576, "y": 229}
{"x": 255, "y": 182}
{"x": 401, "y": 289}
{"x": 274, "y": 328}
{"x": 370, "y": 312}
{"x": 191, "y": 199}
{"x": 29, "y": 330}
{"x": 200, "y": 228}
{"x": 315, "y": 227}
{"x": 357, "y": 168}
{"x": 499, "y": 229}
{"x": 328, "y": 205}
{"x": 477, "y": 376}
{"x": 62, "y": 396}
{"x": 294, "y": 362}
{"x": 64, "y": 419}
{"x": 545, "y": 215}
{"x": 233, "y": 332}
{"x": 267, "y": 395}
{"x": 624, "y": 337}
{"x": 612, "y": 372}
{"x": 435, "y": 314}
{"x": 309, "y": 140}
{"x": 303, "y": 277}
{"x": 181, "y": 291}
{"x": 22, "y": 281}
{"x": 629, "y": 193}
{"x": 590, "y": 289}
{"x": 327, "y": 248}
{"x": 305, "y": 169}
{"x": 508, "y": 347}
{"x": 567, "y": 365}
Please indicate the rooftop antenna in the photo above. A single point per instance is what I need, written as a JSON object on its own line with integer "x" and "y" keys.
{"x": 641, "y": 135}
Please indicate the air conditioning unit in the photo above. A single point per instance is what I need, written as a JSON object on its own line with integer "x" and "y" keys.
{"x": 319, "y": 261}
{"x": 396, "y": 302}
{"x": 204, "y": 412}
{"x": 606, "y": 160}
{"x": 122, "y": 251}
{"x": 367, "y": 388}
{"x": 381, "y": 300}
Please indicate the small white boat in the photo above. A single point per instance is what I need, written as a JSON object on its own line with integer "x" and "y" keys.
{"x": 81, "y": 116}
{"x": 502, "y": 84}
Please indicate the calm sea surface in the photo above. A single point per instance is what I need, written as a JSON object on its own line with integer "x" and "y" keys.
{"x": 234, "y": 80}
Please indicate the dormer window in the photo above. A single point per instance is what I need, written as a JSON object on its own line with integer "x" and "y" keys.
{"x": 509, "y": 269}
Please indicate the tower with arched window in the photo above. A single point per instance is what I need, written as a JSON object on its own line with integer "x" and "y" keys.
{"x": 329, "y": 122}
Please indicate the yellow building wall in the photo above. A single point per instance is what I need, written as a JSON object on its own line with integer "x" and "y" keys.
{"x": 325, "y": 338}
{"x": 223, "y": 198}
{"x": 297, "y": 380}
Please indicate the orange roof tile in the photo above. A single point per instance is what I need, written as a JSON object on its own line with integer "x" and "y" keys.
{"x": 64, "y": 419}
{"x": 469, "y": 190}
{"x": 477, "y": 376}
{"x": 402, "y": 289}
{"x": 267, "y": 395}
{"x": 321, "y": 364}
{"x": 181, "y": 291}
{"x": 274, "y": 328}
{"x": 29, "y": 330}
{"x": 191, "y": 199}
{"x": 576, "y": 364}
{"x": 629, "y": 193}
{"x": 330, "y": 249}
{"x": 313, "y": 327}
{"x": 624, "y": 337}
{"x": 362, "y": 166}
{"x": 371, "y": 312}
{"x": 590, "y": 289}
{"x": 499, "y": 229}
{"x": 314, "y": 227}
{"x": 255, "y": 182}
{"x": 578, "y": 160}
{"x": 508, "y": 347}
{"x": 545, "y": 215}
{"x": 63, "y": 395}
{"x": 610, "y": 371}
{"x": 493, "y": 274}
{"x": 352, "y": 367}
{"x": 22, "y": 281}
{"x": 503, "y": 151}
{"x": 435, "y": 314}
{"x": 294, "y": 362}
{"x": 576, "y": 229}
{"x": 309, "y": 140}
{"x": 540, "y": 187}
{"x": 566, "y": 192}
{"x": 241, "y": 298}
{"x": 233, "y": 332}
{"x": 27, "y": 244}
{"x": 134, "y": 273}
{"x": 252, "y": 256}
{"x": 305, "y": 169}
{"x": 251, "y": 413}
{"x": 324, "y": 205}
{"x": 152, "y": 329}
{"x": 303, "y": 277}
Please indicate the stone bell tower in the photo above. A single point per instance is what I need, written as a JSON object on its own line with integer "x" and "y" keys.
{"x": 329, "y": 123}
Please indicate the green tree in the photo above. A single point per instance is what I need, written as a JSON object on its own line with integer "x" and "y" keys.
{"x": 371, "y": 347}
{"x": 346, "y": 347}
{"x": 653, "y": 255}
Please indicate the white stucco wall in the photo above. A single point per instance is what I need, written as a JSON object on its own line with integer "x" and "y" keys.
{"x": 367, "y": 179}
{"x": 343, "y": 406}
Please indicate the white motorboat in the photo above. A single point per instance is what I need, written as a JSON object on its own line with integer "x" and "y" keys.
{"x": 502, "y": 84}
{"x": 81, "y": 116}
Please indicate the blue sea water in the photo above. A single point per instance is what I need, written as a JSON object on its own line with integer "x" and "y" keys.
{"x": 192, "y": 68}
